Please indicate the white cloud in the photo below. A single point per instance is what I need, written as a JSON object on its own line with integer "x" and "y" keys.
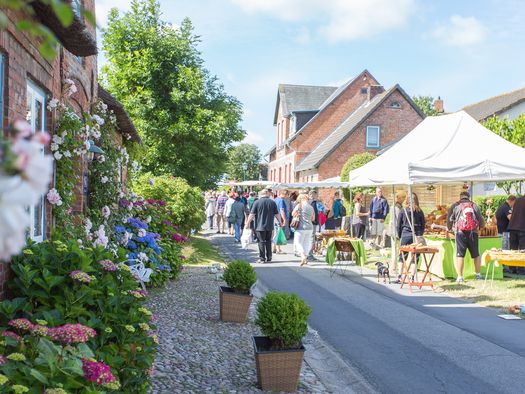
{"x": 461, "y": 31}
{"x": 253, "y": 138}
{"x": 338, "y": 20}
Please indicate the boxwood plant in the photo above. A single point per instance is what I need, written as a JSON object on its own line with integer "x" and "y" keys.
{"x": 282, "y": 317}
{"x": 240, "y": 276}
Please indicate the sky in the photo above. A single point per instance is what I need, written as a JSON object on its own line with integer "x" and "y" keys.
{"x": 463, "y": 51}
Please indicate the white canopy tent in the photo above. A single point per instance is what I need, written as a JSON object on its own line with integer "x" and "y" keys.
{"x": 444, "y": 149}
{"x": 331, "y": 183}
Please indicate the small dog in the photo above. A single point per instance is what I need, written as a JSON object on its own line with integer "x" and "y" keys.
{"x": 383, "y": 271}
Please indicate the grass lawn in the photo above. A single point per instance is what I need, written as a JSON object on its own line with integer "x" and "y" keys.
{"x": 200, "y": 251}
{"x": 504, "y": 292}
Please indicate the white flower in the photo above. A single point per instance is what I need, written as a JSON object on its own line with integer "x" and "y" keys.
{"x": 143, "y": 256}
{"x": 64, "y": 133}
{"x": 67, "y": 153}
{"x": 53, "y": 197}
{"x": 87, "y": 145}
{"x": 101, "y": 239}
{"x": 88, "y": 225}
{"x": 53, "y": 147}
{"x": 142, "y": 232}
{"x": 106, "y": 211}
{"x": 104, "y": 179}
{"x": 57, "y": 155}
{"x": 148, "y": 219}
{"x": 57, "y": 139}
{"x": 101, "y": 158}
{"x": 35, "y": 167}
{"x": 79, "y": 241}
{"x": 130, "y": 207}
{"x": 53, "y": 103}
{"x": 135, "y": 166}
{"x": 98, "y": 119}
{"x": 121, "y": 194}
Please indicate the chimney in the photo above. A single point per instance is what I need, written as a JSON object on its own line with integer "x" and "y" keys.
{"x": 374, "y": 90}
{"x": 438, "y": 105}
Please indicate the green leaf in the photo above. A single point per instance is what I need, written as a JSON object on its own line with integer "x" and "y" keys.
{"x": 90, "y": 17}
{"x": 63, "y": 12}
{"x": 38, "y": 376}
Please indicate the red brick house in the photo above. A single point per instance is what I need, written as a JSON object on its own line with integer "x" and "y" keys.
{"x": 28, "y": 81}
{"x": 317, "y": 133}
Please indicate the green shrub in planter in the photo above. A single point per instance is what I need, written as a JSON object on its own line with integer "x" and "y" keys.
{"x": 282, "y": 318}
{"x": 240, "y": 276}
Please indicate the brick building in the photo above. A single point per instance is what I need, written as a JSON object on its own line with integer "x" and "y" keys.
{"x": 28, "y": 81}
{"x": 319, "y": 127}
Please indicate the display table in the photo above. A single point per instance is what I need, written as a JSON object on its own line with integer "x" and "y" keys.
{"x": 443, "y": 265}
{"x": 498, "y": 257}
{"x": 357, "y": 246}
{"x": 414, "y": 253}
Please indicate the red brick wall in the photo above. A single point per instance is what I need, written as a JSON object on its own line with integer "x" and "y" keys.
{"x": 394, "y": 123}
{"x": 329, "y": 118}
{"x": 23, "y": 63}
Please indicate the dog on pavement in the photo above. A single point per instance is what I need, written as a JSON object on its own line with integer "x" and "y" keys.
{"x": 383, "y": 271}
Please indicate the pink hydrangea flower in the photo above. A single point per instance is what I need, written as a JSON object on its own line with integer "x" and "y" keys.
{"x": 108, "y": 265}
{"x": 21, "y": 324}
{"x": 71, "y": 333}
{"x": 40, "y": 330}
{"x": 80, "y": 276}
{"x": 97, "y": 372}
{"x": 53, "y": 197}
{"x": 11, "y": 334}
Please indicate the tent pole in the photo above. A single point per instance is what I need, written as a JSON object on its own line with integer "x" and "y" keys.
{"x": 393, "y": 229}
{"x": 351, "y": 214}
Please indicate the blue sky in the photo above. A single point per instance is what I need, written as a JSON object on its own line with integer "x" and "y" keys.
{"x": 464, "y": 51}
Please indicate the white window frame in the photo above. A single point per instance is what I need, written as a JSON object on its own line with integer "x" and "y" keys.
{"x": 36, "y": 94}
{"x": 369, "y": 129}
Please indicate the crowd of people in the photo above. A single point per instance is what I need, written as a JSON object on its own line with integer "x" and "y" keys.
{"x": 273, "y": 219}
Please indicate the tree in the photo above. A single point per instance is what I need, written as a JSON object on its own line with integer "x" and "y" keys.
{"x": 352, "y": 163}
{"x": 426, "y": 105}
{"x": 513, "y": 131}
{"x": 185, "y": 119}
{"x": 244, "y": 162}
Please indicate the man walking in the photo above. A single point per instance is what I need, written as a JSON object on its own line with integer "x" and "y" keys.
{"x": 315, "y": 222}
{"x": 219, "y": 212}
{"x": 378, "y": 210}
{"x": 517, "y": 225}
{"x": 466, "y": 220}
{"x": 264, "y": 211}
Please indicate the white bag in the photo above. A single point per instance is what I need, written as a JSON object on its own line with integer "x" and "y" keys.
{"x": 246, "y": 238}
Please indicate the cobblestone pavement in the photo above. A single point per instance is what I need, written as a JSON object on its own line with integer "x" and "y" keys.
{"x": 198, "y": 353}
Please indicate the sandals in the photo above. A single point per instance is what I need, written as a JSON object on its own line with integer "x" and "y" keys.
{"x": 304, "y": 262}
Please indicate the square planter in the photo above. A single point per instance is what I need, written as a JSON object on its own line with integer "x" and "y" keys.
{"x": 277, "y": 370}
{"x": 233, "y": 306}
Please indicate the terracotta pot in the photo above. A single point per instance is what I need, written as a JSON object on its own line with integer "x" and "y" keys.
{"x": 277, "y": 370}
{"x": 233, "y": 306}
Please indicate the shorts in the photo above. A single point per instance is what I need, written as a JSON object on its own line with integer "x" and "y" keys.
{"x": 467, "y": 240}
{"x": 377, "y": 227}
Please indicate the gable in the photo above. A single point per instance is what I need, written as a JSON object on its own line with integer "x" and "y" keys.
{"x": 495, "y": 105}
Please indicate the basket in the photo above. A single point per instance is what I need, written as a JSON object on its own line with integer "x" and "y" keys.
{"x": 277, "y": 370}
{"x": 343, "y": 245}
{"x": 233, "y": 307}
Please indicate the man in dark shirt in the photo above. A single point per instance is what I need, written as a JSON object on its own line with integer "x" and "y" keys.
{"x": 517, "y": 225}
{"x": 503, "y": 215}
{"x": 264, "y": 210}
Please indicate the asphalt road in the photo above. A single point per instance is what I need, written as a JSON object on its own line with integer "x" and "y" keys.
{"x": 401, "y": 343}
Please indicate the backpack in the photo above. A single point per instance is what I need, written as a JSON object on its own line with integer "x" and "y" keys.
{"x": 467, "y": 219}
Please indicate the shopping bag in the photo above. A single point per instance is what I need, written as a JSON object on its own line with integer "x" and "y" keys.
{"x": 246, "y": 238}
{"x": 281, "y": 238}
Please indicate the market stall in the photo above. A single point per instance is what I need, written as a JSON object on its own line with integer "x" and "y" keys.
{"x": 445, "y": 149}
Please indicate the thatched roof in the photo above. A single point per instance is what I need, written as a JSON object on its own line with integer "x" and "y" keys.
{"x": 75, "y": 38}
{"x": 124, "y": 122}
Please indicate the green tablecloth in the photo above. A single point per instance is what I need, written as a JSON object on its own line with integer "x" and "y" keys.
{"x": 359, "y": 250}
{"x": 443, "y": 264}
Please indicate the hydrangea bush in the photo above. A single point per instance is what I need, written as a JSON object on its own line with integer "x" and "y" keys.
{"x": 81, "y": 303}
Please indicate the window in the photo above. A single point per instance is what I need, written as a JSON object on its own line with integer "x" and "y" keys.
{"x": 280, "y": 174}
{"x": 76, "y": 5}
{"x": 1, "y": 90}
{"x": 285, "y": 172}
{"x": 372, "y": 136}
{"x": 364, "y": 90}
{"x": 35, "y": 115}
{"x": 395, "y": 104}
{"x": 290, "y": 173}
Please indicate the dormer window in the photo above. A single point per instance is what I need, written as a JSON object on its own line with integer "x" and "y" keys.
{"x": 395, "y": 104}
{"x": 364, "y": 90}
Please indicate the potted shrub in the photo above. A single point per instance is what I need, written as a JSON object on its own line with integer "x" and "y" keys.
{"x": 235, "y": 299}
{"x": 279, "y": 354}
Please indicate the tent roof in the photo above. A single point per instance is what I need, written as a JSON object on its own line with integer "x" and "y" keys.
{"x": 444, "y": 149}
